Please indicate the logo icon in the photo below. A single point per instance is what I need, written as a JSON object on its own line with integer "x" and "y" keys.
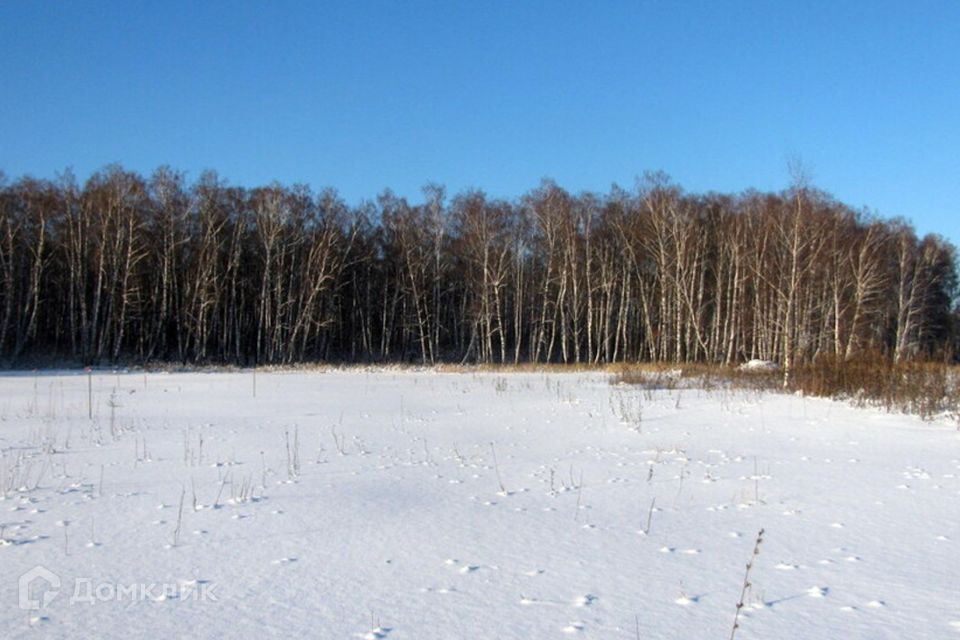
{"x": 38, "y": 588}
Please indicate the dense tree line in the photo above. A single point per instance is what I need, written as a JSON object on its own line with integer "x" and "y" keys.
{"x": 128, "y": 268}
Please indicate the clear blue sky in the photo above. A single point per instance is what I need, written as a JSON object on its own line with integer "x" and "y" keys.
{"x": 496, "y": 95}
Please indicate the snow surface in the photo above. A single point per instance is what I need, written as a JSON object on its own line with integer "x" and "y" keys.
{"x": 758, "y": 365}
{"x": 413, "y": 531}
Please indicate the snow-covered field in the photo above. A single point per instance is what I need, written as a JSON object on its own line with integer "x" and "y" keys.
{"x": 402, "y": 504}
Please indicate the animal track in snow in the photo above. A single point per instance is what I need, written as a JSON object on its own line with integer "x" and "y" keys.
{"x": 574, "y": 627}
{"x": 438, "y": 590}
{"x": 465, "y": 569}
{"x": 585, "y": 601}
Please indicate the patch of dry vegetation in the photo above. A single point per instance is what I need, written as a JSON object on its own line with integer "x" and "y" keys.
{"x": 927, "y": 389}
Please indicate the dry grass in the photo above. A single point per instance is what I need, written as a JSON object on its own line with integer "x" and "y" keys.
{"x": 926, "y": 389}
{"x": 702, "y": 375}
